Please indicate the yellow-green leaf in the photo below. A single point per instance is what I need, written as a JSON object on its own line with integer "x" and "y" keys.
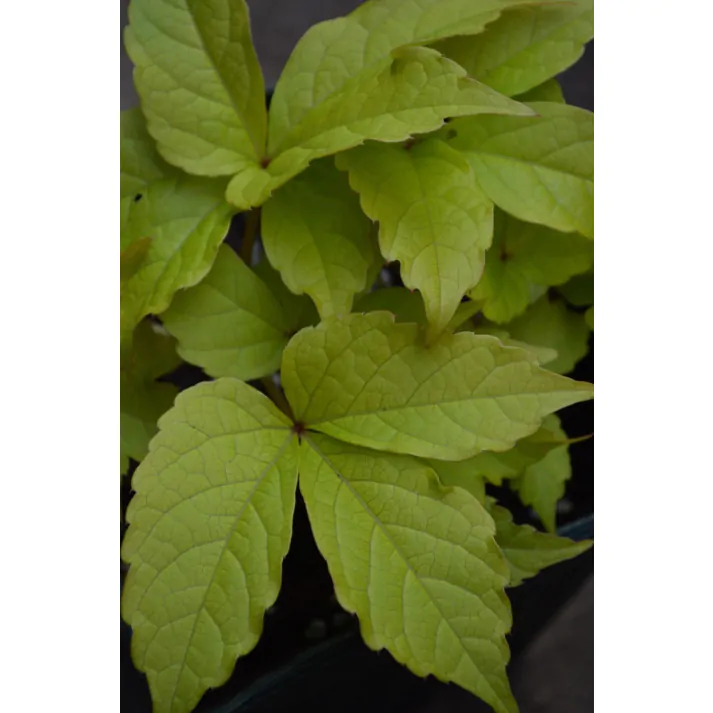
{"x": 209, "y": 526}
{"x": 372, "y": 382}
{"x": 416, "y": 563}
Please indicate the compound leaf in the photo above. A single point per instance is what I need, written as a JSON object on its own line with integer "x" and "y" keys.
{"x": 525, "y": 253}
{"x": 529, "y": 551}
{"x": 541, "y": 169}
{"x": 418, "y": 564}
{"x": 231, "y": 324}
{"x": 525, "y": 46}
{"x": 186, "y": 220}
{"x": 209, "y": 527}
{"x": 433, "y": 218}
{"x": 369, "y": 381}
{"x": 550, "y": 323}
{"x": 199, "y": 81}
{"x": 315, "y": 234}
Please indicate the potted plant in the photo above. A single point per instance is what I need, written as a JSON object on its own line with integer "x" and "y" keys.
{"x": 388, "y": 336}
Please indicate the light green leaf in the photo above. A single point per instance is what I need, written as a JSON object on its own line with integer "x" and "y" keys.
{"x": 142, "y": 400}
{"x": 231, "y": 324}
{"x": 412, "y": 93}
{"x": 315, "y": 234}
{"x": 416, "y": 563}
{"x": 432, "y": 217}
{"x": 543, "y": 483}
{"x": 528, "y": 551}
{"x": 549, "y": 323}
{"x": 542, "y": 355}
{"x": 541, "y": 169}
{"x": 199, "y": 81}
{"x": 140, "y": 162}
{"x": 186, "y": 221}
{"x": 589, "y": 318}
{"x": 406, "y": 305}
{"x": 525, "y": 253}
{"x": 210, "y": 524}
{"x": 369, "y": 381}
{"x": 332, "y": 54}
{"x": 549, "y": 91}
{"x": 525, "y": 46}
{"x": 579, "y": 291}
{"x": 459, "y": 474}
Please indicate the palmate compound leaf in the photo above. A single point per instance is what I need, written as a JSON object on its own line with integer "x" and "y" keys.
{"x": 525, "y": 46}
{"x": 210, "y": 524}
{"x": 550, "y": 323}
{"x": 433, "y": 218}
{"x": 523, "y": 254}
{"x": 143, "y": 400}
{"x": 231, "y": 323}
{"x": 315, "y": 234}
{"x": 542, "y": 484}
{"x": 199, "y": 81}
{"x": 369, "y": 381}
{"x": 418, "y": 564}
{"x": 186, "y": 219}
{"x": 527, "y": 550}
{"x": 539, "y": 169}
{"x": 411, "y": 92}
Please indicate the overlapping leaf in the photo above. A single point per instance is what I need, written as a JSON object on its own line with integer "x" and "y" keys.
{"x": 525, "y": 46}
{"x": 528, "y": 551}
{"x": 433, "y": 218}
{"x": 549, "y": 91}
{"x": 411, "y": 92}
{"x": 315, "y": 234}
{"x": 372, "y": 382}
{"x": 209, "y": 527}
{"x": 541, "y": 169}
{"x": 231, "y": 323}
{"x": 186, "y": 220}
{"x": 550, "y": 323}
{"x": 525, "y": 253}
{"x": 411, "y": 559}
{"x": 199, "y": 81}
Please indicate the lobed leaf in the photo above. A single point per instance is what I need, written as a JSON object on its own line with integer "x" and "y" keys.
{"x": 541, "y": 169}
{"x": 209, "y": 527}
{"x": 199, "y": 81}
{"x": 369, "y": 381}
{"x": 416, "y": 563}
{"x": 433, "y": 218}
{"x": 315, "y": 234}
{"x": 231, "y": 323}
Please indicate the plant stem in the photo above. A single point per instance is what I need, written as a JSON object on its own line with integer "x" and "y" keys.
{"x": 277, "y": 396}
{"x": 252, "y": 221}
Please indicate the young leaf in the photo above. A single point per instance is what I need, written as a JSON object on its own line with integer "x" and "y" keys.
{"x": 432, "y": 216}
{"x": 549, "y": 91}
{"x": 579, "y": 291}
{"x": 209, "y": 527}
{"x": 230, "y": 324}
{"x": 459, "y": 474}
{"x": 417, "y": 564}
{"x": 369, "y": 381}
{"x": 541, "y": 170}
{"x": 524, "y": 253}
{"x": 543, "y": 483}
{"x": 315, "y": 234}
{"x": 549, "y": 323}
{"x": 143, "y": 400}
{"x": 589, "y": 318}
{"x": 542, "y": 355}
{"x": 412, "y": 93}
{"x": 335, "y": 52}
{"x": 406, "y": 305}
{"x": 525, "y": 46}
{"x": 140, "y": 162}
{"x": 528, "y": 551}
{"x": 199, "y": 81}
{"x": 186, "y": 221}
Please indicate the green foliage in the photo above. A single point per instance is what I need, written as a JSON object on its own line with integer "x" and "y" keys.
{"x": 421, "y": 219}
